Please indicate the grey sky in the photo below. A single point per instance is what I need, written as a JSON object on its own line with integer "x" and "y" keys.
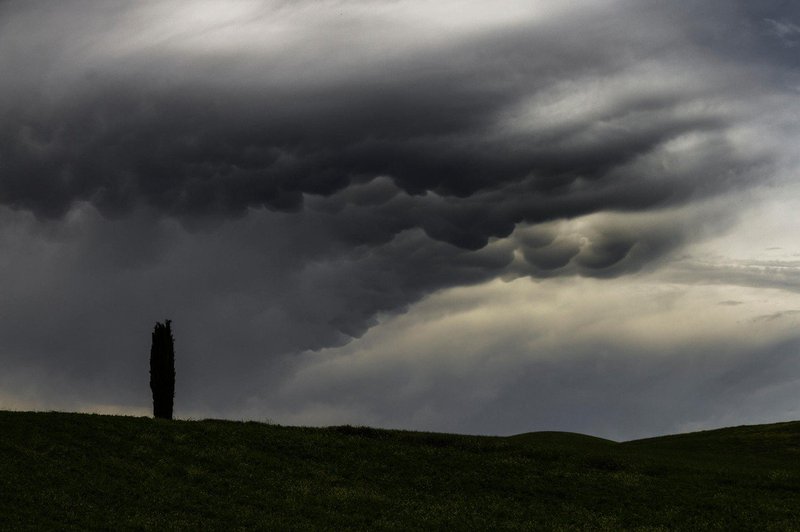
{"x": 297, "y": 185}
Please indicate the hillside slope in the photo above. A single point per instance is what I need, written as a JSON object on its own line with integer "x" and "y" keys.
{"x": 75, "y": 471}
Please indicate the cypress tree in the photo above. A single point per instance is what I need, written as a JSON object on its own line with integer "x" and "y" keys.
{"x": 162, "y": 370}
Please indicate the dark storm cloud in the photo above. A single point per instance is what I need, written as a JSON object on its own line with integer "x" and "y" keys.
{"x": 275, "y": 182}
{"x": 214, "y": 136}
{"x": 80, "y": 296}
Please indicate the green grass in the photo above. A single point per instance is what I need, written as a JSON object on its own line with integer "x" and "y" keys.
{"x": 76, "y": 471}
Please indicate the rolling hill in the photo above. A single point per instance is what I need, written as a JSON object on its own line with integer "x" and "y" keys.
{"x": 76, "y": 471}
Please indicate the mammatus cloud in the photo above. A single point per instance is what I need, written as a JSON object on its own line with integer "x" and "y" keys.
{"x": 278, "y": 178}
{"x": 553, "y": 117}
{"x": 460, "y": 139}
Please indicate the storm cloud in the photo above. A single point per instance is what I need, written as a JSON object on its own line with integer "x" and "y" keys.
{"x": 550, "y": 117}
{"x": 279, "y": 178}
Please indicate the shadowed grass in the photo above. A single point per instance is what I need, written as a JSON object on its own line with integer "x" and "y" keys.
{"x": 76, "y": 471}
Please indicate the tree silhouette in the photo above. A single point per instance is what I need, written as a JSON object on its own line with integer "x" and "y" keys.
{"x": 162, "y": 370}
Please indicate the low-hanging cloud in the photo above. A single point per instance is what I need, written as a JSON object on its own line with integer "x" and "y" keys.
{"x": 276, "y": 176}
{"x": 547, "y": 119}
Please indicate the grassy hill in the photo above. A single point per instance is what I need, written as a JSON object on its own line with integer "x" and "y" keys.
{"x": 76, "y": 471}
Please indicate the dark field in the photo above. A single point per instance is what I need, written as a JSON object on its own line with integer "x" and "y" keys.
{"x": 75, "y": 471}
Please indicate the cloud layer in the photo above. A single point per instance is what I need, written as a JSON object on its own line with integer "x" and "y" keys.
{"x": 545, "y": 117}
{"x": 279, "y": 177}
